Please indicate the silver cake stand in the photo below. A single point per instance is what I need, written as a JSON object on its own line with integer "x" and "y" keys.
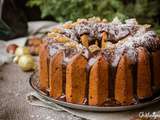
{"x": 34, "y": 84}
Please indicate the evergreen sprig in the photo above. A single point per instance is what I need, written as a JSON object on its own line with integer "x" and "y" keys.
{"x": 146, "y": 11}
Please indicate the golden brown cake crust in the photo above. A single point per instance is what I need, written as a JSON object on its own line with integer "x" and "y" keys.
{"x": 124, "y": 82}
{"x": 85, "y": 40}
{"x": 76, "y": 79}
{"x": 56, "y": 75}
{"x": 104, "y": 40}
{"x": 98, "y": 82}
{"x": 43, "y": 68}
{"x": 143, "y": 74}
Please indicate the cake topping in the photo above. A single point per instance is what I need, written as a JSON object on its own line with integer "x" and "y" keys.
{"x": 121, "y": 37}
{"x": 54, "y": 48}
{"x": 71, "y": 44}
{"x": 94, "y": 48}
{"x": 57, "y": 30}
{"x": 68, "y": 25}
{"x": 131, "y": 21}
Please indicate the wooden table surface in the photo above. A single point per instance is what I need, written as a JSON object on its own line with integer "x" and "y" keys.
{"x": 14, "y": 85}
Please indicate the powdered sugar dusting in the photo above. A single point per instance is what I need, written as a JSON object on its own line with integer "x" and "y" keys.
{"x": 53, "y": 49}
{"x": 121, "y": 38}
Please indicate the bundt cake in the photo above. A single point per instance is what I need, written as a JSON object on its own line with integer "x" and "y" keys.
{"x": 95, "y": 62}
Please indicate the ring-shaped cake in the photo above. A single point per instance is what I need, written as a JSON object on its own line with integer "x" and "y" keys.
{"x": 95, "y": 62}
